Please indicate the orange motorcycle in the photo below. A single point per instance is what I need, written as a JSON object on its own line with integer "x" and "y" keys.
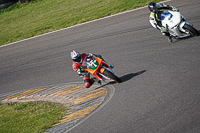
{"x": 100, "y": 69}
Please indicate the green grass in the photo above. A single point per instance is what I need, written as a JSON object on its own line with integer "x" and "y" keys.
{"x": 26, "y": 20}
{"x": 30, "y": 117}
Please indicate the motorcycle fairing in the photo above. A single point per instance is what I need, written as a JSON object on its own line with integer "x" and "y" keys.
{"x": 94, "y": 65}
{"x": 174, "y": 22}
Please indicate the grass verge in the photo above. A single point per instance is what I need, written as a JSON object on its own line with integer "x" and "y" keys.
{"x": 30, "y": 117}
{"x": 26, "y": 20}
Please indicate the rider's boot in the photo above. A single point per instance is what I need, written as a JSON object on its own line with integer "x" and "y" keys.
{"x": 96, "y": 80}
{"x": 169, "y": 37}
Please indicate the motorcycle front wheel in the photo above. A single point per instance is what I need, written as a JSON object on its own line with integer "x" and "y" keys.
{"x": 111, "y": 76}
{"x": 191, "y": 30}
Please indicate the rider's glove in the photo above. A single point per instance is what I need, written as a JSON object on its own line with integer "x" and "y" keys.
{"x": 175, "y": 9}
{"x": 90, "y": 54}
{"x": 163, "y": 29}
{"x": 81, "y": 73}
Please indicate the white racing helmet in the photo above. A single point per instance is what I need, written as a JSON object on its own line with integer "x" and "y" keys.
{"x": 76, "y": 56}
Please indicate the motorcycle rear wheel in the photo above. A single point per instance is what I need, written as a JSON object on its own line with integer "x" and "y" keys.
{"x": 112, "y": 76}
{"x": 191, "y": 30}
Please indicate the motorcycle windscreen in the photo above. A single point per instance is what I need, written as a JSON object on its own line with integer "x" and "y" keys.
{"x": 171, "y": 19}
{"x": 166, "y": 15}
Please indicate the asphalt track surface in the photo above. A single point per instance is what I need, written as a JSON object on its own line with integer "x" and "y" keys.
{"x": 160, "y": 89}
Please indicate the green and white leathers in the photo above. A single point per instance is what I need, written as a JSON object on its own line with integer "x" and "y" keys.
{"x": 153, "y": 18}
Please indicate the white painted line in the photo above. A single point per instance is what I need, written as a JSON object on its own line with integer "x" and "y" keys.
{"x": 79, "y": 25}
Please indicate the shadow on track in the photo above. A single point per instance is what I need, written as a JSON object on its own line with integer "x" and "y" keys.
{"x": 124, "y": 78}
{"x": 175, "y": 40}
{"x": 131, "y": 75}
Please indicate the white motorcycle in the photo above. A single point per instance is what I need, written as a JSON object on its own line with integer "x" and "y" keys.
{"x": 177, "y": 25}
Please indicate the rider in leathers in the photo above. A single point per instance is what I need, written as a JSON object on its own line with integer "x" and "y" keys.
{"x": 155, "y": 17}
{"x": 77, "y": 59}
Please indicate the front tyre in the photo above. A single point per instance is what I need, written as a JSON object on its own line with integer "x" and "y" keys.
{"x": 112, "y": 76}
{"x": 191, "y": 30}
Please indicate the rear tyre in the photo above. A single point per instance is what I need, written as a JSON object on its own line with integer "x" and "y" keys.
{"x": 112, "y": 76}
{"x": 191, "y": 30}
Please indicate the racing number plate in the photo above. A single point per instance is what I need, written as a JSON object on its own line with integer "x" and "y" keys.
{"x": 94, "y": 64}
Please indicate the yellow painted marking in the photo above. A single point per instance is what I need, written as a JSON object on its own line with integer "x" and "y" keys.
{"x": 69, "y": 90}
{"x": 77, "y": 114}
{"x": 90, "y": 96}
{"x": 25, "y": 93}
{"x": 82, "y": 98}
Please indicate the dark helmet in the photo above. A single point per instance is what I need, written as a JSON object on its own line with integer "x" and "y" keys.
{"x": 76, "y": 56}
{"x": 153, "y": 7}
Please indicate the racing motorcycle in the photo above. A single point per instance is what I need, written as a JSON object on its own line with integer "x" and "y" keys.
{"x": 99, "y": 69}
{"x": 177, "y": 25}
